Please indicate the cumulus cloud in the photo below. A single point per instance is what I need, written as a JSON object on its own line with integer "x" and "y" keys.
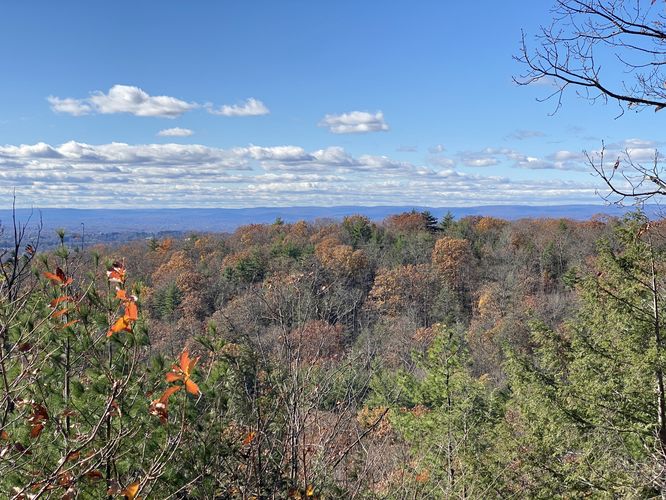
{"x": 136, "y": 101}
{"x": 175, "y": 132}
{"x": 355, "y": 122}
{"x": 122, "y": 99}
{"x": 251, "y": 107}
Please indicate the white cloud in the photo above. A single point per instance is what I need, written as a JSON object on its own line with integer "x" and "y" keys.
{"x": 123, "y": 99}
{"x": 75, "y": 107}
{"x": 441, "y": 161}
{"x": 175, "y": 132}
{"x": 487, "y": 157}
{"x": 153, "y": 175}
{"x": 251, "y": 107}
{"x": 136, "y": 101}
{"x": 355, "y": 122}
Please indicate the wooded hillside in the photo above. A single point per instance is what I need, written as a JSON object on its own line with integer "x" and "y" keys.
{"x": 416, "y": 358}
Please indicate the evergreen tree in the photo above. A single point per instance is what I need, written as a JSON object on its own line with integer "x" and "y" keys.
{"x": 589, "y": 404}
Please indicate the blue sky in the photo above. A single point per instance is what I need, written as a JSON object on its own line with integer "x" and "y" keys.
{"x": 264, "y": 103}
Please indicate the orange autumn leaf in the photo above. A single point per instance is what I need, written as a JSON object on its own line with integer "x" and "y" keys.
{"x": 131, "y": 311}
{"x": 249, "y": 438}
{"x": 423, "y": 476}
{"x": 70, "y": 323}
{"x": 60, "y": 312}
{"x": 183, "y": 371}
{"x": 192, "y": 387}
{"x": 58, "y": 278}
{"x": 63, "y": 298}
{"x": 121, "y": 325}
{"x": 131, "y": 491}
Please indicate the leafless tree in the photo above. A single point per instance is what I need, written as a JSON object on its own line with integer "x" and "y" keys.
{"x": 627, "y": 179}
{"x": 606, "y": 50}
{"x": 586, "y": 42}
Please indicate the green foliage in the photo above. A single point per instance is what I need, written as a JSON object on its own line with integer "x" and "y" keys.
{"x": 586, "y": 406}
{"x": 447, "y": 416}
{"x": 166, "y": 301}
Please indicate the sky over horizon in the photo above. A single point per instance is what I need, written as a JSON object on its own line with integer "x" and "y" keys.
{"x": 262, "y": 103}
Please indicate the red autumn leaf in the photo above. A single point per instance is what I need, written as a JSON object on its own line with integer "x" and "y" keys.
{"x": 37, "y": 420}
{"x": 36, "y": 430}
{"x": 423, "y": 476}
{"x": 95, "y": 475}
{"x": 168, "y": 393}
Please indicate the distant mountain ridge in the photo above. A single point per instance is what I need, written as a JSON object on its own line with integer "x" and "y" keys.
{"x": 228, "y": 219}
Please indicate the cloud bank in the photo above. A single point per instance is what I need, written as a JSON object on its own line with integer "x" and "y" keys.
{"x": 194, "y": 175}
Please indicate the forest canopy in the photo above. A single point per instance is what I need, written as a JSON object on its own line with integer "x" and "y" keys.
{"x": 476, "y": 357}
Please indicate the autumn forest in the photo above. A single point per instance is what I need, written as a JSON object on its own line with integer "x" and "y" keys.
{"x": 409, "y": 358}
